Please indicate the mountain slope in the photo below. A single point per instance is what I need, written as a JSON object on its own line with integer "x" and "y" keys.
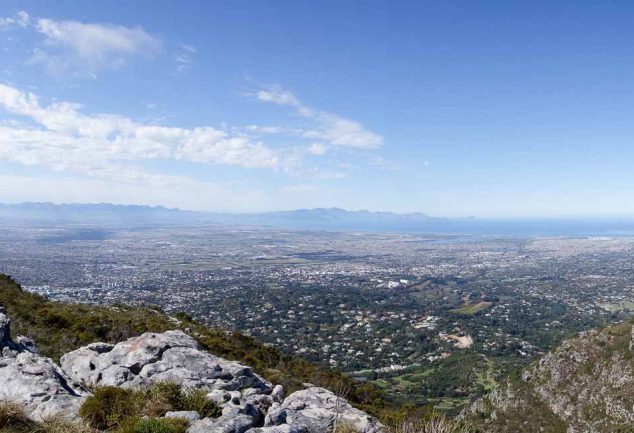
{"x": 58, "y": 328}
{"x": 585, "y": 385}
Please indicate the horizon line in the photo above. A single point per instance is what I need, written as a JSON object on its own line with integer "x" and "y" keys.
{"x": 255, "y": 212}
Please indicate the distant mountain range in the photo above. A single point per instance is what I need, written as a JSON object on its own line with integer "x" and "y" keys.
{"x": 101, "y": 213}
{"x": 107, "y": 213}
{"x": 335, "y": 219}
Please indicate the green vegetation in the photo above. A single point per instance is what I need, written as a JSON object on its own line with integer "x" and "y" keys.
{"x": 138, "y": 411}
{"x": 471, "y": 309}
{"x": 155, "y": 425}
{"x": 109, "y": 406}
{"x": 446, "y": 384}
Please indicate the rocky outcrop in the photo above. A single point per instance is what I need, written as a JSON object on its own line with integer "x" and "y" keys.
{"x": 247, "y": 401}
{"x": 318, "y": 410}
{"x": 585, "y": 385}
{"x": 34, "y": 381}
{"x": 172, "y": 356}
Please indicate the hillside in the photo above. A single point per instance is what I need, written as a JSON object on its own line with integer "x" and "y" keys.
{"x": 87, "y": 369}
{"x": 58, "y": 328}
{"x": 585, "y": 385}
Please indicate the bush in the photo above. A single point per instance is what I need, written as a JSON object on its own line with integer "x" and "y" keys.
{"x": 161, "y": 398}
{"x": 197, "y": 400}
{"x": 112, "y": 407}
{"x": 108, "y": 406}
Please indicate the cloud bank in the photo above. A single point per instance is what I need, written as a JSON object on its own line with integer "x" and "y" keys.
{"x": 59, "y": 136}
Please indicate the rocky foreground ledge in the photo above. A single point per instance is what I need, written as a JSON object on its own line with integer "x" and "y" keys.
{"x": 249, "y": 403}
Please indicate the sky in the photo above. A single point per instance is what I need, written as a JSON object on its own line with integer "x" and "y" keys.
{"x": 451, "y": 108}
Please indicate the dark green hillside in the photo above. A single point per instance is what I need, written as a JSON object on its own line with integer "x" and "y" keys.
{"x": 58, "y": 328}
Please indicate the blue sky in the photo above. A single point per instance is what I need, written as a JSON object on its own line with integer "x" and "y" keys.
{"x": 492, "y": 109}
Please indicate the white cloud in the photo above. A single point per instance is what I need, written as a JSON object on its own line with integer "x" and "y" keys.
{"x": 20, "y": 19}
{"x": 183, "y": 58}
{"x": 331, "y": 128}
{"x": 60, "y": 137}
{"x": 278, "y": 96}
{"x": 92, "y": 47}
{"x": 83, "y": 48}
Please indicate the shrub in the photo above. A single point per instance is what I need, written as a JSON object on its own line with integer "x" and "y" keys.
{"x": 111, "y": 407}
{"x": 108, "y": 406}
{"x": 161, "y": 398}
{"x": 197, "y": 400}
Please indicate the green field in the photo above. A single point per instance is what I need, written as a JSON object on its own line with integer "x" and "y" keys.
{"x": 471, "y": 309}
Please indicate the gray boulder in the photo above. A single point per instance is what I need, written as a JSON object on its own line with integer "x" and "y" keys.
{"x": 279, "y": 429}
{"x": 34, "y": 381}
{"x": 227, "y": 423}
{"x": 172, "y": 356}
{"x": 237, "y": 417}
{"x": 318, "y": 410}
{"x": 190, "y": 415}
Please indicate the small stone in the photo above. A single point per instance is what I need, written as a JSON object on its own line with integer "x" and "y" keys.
{"x": 278, "y": 393}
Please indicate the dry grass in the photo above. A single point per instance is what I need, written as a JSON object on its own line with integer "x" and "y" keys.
{"x": 59, "y": 425}
{"x": 13, "y": 419}
{"x": 436, "y": 424}
{"x": 344, "y": 427}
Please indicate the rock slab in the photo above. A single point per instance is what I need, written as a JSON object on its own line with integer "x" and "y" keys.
{"x": 317, "y": 410}
{"x": 33, "y": 380}
{"x": 172, "y": 356}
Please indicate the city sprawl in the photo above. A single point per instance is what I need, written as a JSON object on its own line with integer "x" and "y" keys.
{"x": 390, "y": 308}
